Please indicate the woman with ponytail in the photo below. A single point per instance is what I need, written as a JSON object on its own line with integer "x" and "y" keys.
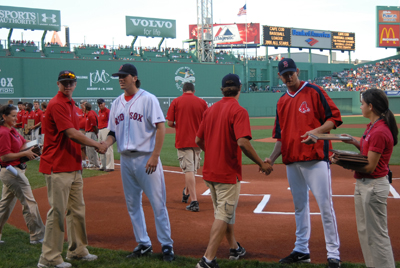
{"x": 12, "y": 175}
{"x": 372, "y": 180}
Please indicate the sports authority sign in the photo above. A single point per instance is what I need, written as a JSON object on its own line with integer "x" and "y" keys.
{"x": 150, "y": 27}
{"x": 30, "y": 18}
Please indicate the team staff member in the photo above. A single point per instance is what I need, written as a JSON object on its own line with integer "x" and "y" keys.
{"x": 306, "y": 109}
{"x": 107, "y": 159}
{"x": 16, "y": 186}
{"x": 38, "y": 123}
{"x": 61, "y": 164}
{"x": 224, "y": 129}
{"x": 185, "y": 114}
{"x": 372, "y": 184}
{"x": 44, "y": 107}
{"x": 91, "y": 129}
{"x": 137, "y": 124}
{"x": 82, "y": 123}
{"x": 19, "y": 125}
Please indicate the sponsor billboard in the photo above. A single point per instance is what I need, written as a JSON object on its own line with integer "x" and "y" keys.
{"x": 150, "y": 27}
{"x": 306, "y": 38}
{"x": 388, "y": 35}
{"x": 276, "y": 36}
{"x": 389, "y": 16}
{"x": 30, "y": 18}
{"x": 235, "y": 35}
{"x": 343, "y": 41}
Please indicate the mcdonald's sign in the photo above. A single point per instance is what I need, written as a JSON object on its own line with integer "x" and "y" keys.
{"x": 389, "y": 35}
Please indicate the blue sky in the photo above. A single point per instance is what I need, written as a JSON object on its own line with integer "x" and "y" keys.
{"x": 103, "y": 22}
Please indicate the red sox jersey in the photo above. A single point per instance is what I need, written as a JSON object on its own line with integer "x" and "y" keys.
{"x": 134, "y": 122}
{"x": 296, "y": 113}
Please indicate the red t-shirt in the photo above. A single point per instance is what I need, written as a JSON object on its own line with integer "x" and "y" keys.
{"x": 60, "y": 153}
{"x": 380, "y": 140}
{"x": 31, "y": 115}
{"x": 296, "y": 113}
{"x": 91, "y": 121}
{"x": 222, "y": 125}
{"x": 25, "y": 118}
{"x": 20, "y": 114}
{"x": 38, "y": 116}
{"x": 103, "y": 117}
{"x": 186, "y": 111}
{"x": 82, "y": 118}
{"x": 11, "y": 142}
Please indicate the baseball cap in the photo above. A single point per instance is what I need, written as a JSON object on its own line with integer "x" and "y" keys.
{"x": 127, "y": 69}
{"x": 286, "y": 65}
{"x": 231, "y": 80}
{"x": 100, "y": 101}
{"x": 66, "y": 75}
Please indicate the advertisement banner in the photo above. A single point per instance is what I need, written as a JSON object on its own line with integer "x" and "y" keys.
{"x": 343, "y": 41}
{"x": 232, "y": 35}
{"x": 388, "y": 35}
{"x": 30, "y": 18}
{"x": 306, "y": 38}
{"x": 150, "y": 27}
{"x": 277, "y": 36}
{"x": 391, "y": 16}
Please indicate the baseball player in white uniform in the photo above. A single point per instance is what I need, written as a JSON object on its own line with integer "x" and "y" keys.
{"x": 136, "y": 122}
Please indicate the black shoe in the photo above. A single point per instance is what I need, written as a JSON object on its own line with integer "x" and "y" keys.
{"x": 203, "y": 264}
{"x": 296, "y": 257}
{"x": 234, "y": 254}
{"x": 168, "y": 253}
{"x": 194, "y": 206}
{"x": 140, "y": 251}
{"x": 185, "y": 197}
{"x": 333, "y": 263}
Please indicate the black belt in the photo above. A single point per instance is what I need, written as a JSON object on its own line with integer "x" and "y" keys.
{"x": 20, "y": 166}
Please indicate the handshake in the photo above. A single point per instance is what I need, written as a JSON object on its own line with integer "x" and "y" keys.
{"x": 101, "y": 147}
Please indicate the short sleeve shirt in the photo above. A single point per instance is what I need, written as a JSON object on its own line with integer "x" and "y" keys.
{"x": 82, "y": 118}
{"x": 223, "y": 124}
{"x": 103, "y": 117}
{"x": 91, "y": 121}
{"x": 11, "y": 142}
{"x": 38, "y": 116}
{"x": 60, "y": 153}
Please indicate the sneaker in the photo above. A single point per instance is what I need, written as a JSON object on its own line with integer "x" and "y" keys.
{"x": 333, "y": 263}
{"x": 89, "y": 257}
{"x": 234, "y": 254}
{"x": 194, "y": 206}
{"x": 61, "y": 265}
{"x": 185, "y": 197}
{"x": 168, "y": 253}
{"x": 35, "y": 242}
{"x": 203, "y": 264}
{"x": 140, "y": 251}
{"x": 296, "y": 257}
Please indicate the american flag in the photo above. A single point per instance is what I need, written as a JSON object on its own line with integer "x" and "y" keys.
{"x": 242, "y": 11}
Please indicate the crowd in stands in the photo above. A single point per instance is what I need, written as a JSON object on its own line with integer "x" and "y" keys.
{"x": 22, "y": 42}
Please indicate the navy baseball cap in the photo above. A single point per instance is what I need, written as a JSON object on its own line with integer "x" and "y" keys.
{"x": 286, "y": 65}
{"x": 100, "y": 101}
{"x": 231, "y": 80}
{"x": 127, "y": 69}
{"x": 66, "y": 75}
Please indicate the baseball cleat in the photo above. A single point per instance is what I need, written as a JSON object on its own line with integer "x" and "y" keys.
{"x": 185, "y": 197}
{"x": 234, "y": 254}
{"x": 333, "y": 263}
{"x": 296, "y": 257}
{"x": 194, "y": 206}
{"x": 168, "y": 253}
{"x": 140, "y": 251}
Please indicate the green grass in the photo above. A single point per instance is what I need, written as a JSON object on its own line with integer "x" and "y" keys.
{"x": 17, "y": 252}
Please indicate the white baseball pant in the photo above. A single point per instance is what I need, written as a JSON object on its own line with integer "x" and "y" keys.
{"x": 314, "y": 176}
{"x": 135, "y": 181}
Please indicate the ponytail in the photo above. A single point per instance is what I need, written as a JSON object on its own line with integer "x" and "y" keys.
{"x": 390, "y": 120}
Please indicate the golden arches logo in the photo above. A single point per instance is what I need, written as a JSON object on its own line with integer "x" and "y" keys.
{"x": 388, "y": 39}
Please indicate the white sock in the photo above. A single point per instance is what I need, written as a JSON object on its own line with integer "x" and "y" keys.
{"x": 207, "y": 260}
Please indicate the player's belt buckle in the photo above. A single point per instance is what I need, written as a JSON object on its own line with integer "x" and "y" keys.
{"x": 133, "y": 151}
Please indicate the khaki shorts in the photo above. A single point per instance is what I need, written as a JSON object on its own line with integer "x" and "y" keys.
{"x": 225, "y": 198}
{"x": 189, "y": 159}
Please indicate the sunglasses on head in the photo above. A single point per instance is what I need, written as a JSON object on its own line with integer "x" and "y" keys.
{"x": 67, "y": 75}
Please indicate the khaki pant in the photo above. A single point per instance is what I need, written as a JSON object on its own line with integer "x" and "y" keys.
{"x": 370, "y": 196}
{"x": 65, "y": 194}
{"x": 189, "y": 159}
{"x": 18, "y": 187}
{"x": 91, "y": 151}
{"x": 107, "y": 159}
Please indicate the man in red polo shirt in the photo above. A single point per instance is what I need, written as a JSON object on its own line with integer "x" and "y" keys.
{"x": 107, "y": 160}
{"x": 92, "y": 130}
{"x": 223, "y": 135}
{"x": 44, "y": 107}
{"x": 38, "y": 120}
{"x": 61, "y": 164}
{"x": 185, "y": 114}
{"x": 19, "y": 126}
{"x": 30, "y": 115}
{"x": 82, "y": 123}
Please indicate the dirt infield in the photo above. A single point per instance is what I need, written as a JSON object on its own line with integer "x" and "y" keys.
{"x": 265, "y": 223}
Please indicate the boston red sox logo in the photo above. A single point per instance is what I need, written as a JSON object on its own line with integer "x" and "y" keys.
{"x": 304, "y": 108}
{"x": 285, "y": 64}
